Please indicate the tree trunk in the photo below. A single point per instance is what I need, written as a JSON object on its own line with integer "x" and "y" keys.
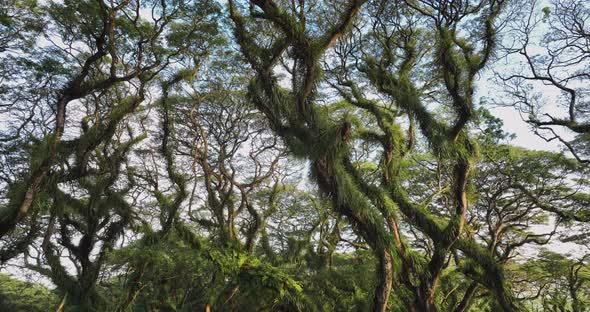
{"x": 385, "y": 282}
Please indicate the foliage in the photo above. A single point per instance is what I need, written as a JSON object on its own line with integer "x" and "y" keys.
{"x": 21, "y": 296}
{"x": 267, "y": 155}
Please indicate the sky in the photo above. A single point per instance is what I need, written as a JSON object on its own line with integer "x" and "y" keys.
{"x": 513, "y": 120}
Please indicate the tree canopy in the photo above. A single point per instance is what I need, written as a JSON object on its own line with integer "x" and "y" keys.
{"x": 309, "y": 155}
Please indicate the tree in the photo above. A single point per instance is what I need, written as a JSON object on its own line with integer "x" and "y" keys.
{"x": 281, "y": 155}
{"x": 21, "y": 296}
{"x": 550, "y": 87}
{"x": 311, "y": 131}
{"x": 560, "y": 281}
